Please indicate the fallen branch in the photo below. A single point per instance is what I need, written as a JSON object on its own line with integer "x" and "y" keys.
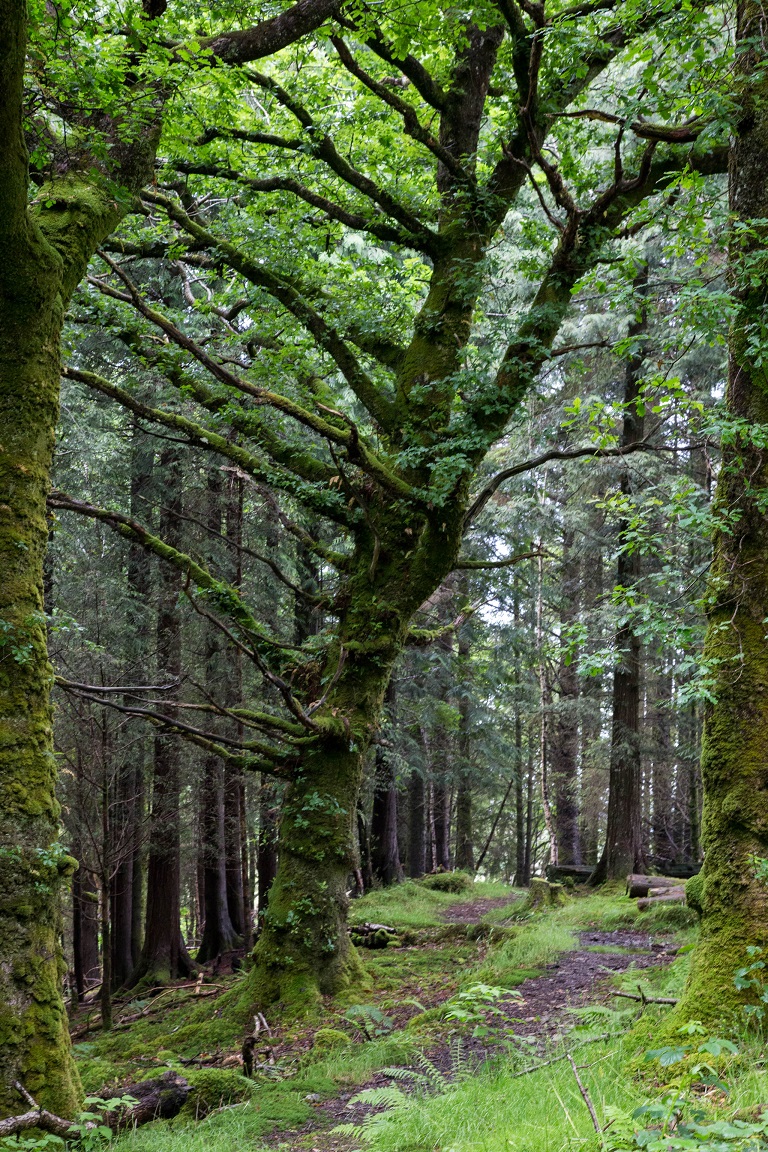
{"x": 585, "y": 1095}
{"x": 564, "y": 1056}
{"x": 646, "y": 999}
{"x": 37, "y": 1118}
{"x": 126, "y": 1021}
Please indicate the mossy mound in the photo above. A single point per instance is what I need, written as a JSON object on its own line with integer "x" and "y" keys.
{"x": 542, "y": 895}
{"x": 457, "y": 882}
{"x": 214, "y": 1088}
{"x": 327, "y": 1039}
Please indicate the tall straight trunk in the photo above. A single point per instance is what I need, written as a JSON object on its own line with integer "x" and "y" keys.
{"x": 545, "y": 719}
{"x": 219, "y": 934}
{"x": 665, "y": 844}
{"x": 385, "y": 850}
{"x": 623, "y": 837}
{"x": 528, "y": 860}
{"x": 85, "y": 928}
{"x": 417, "y": 843}
{"x": 564, "y": 751}
{"x": 163, "y": 955}
{"x": 127, "y": 816}
{"x": 442, "y": 820}
{"x": 519, "y": 878}
{"x": 234, "y": 847}
{"x": 266, "y": 857}
{"x": 464, "y": 856}
{"x": 734, "y": 765}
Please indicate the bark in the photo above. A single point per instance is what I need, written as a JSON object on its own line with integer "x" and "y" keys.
{"x": 465, "y": 851}
{"x": 623, "y": 837}
{"x": 385, "y": 850}
{"x": 734, "y": 903}
{"x": 417, "y": 846}
{"x": 85, "y": 929}
{"x": 127, "y": 884}
{"x": 44, "y": 251}
{"x": 565, "y": 743}
{"x": 219, "y": 933}
{"x": 163, "y": 955}
{"x": 520, "y": 878}
{"x": 664, "y": 845}
{"x": 266, "y": 858}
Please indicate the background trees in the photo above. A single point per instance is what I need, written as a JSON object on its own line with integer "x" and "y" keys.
{"x": 344, "y": 327}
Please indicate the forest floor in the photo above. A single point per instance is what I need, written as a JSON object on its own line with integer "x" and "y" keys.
{"x": 538, "y": 1021}
{"x": 477, "y": 990}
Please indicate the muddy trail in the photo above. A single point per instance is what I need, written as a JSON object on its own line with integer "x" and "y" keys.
{"x": 539, "y": 1020}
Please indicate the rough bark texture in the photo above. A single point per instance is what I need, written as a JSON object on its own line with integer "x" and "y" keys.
{"x": 734, "y": 904}
{"x": 163, "y": 956}
{"x": 564, "y": 749}
{"x": 623, "y": 838}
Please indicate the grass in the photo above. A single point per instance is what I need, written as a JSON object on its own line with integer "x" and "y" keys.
{"x": 411, "y": 905}
{"x": 490, "y": 1111}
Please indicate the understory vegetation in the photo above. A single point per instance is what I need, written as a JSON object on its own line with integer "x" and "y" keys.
{"x": 436, "y": 1050}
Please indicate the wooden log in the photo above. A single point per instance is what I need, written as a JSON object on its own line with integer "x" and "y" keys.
{"x": 638, "y": 884}
{"x": 579, "y": 873}
{"x": 672, "y": 896}
{"x": 157, "y": 1099}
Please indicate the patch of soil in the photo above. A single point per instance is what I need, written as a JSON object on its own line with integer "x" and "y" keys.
{"x": 576, "y": 976}
{"x": 573, "y": 980}
{"x": 473, "y": 912}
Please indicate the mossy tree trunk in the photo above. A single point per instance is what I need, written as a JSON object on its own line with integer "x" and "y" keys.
{"x": 623, "y": 837}
{"x": 34, "y": 282}
{"x": 303, "y": 949}
{"x": 734, "y": 902}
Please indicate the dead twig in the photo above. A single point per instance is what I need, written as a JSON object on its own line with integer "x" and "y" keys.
{"x": 585, "y": 1095}
{"x": 643, "y": 999}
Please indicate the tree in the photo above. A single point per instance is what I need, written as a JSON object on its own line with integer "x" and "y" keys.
{"x": 45, "y": 245}
{"x": 731, "y": 890}
{"x": 382, "y": 427}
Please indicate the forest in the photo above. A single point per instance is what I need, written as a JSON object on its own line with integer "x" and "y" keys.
{"x": 383, "y": 575}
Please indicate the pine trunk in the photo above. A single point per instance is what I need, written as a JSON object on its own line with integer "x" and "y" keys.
{"x": 623, "y": 837}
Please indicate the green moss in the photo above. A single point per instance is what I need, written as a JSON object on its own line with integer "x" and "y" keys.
{"x": 694, "y": 893}
{"x": 457, "y": 882}
{"x": 328, "y": 1038}
{"x": 213, "y": 1088}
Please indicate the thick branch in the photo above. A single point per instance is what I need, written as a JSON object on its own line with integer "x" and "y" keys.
{"x": 325, "y": 336}
{"x": 269, "y": 36}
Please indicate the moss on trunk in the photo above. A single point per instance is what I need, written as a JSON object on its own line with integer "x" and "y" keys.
{"x": 733, "y": 902}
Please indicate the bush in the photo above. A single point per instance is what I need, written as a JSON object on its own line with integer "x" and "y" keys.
{"x": 457, "y": 882}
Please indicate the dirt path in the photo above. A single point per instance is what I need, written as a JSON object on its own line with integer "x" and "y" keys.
{"x": 473, "y": 912}
{"x": 576, "y": 978}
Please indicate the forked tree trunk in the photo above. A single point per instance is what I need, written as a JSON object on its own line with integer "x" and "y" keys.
{"x": 733, "y": 899}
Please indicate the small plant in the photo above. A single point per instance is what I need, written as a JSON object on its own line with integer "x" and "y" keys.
{"x": 670, "y": 1130}
{"x": 87, "y": 1134}
{"x": 752, "y": 978}
{"x": 473, "y": 1008}
{"x": 370, "y": 1020}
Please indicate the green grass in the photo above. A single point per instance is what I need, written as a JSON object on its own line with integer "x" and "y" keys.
{"x": 411, "y": 905}
{"x": 490, "y": 1111}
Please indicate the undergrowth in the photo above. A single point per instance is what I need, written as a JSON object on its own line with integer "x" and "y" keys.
{"x": 469, "y": 1108}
